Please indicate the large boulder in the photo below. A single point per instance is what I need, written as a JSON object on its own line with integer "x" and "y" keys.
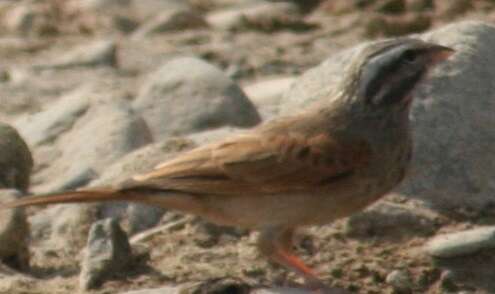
{"x": 91, "y": 130}
{"x": 187, "y": 95}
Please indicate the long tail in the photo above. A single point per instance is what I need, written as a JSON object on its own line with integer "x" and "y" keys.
{"x": 96, "y": 195}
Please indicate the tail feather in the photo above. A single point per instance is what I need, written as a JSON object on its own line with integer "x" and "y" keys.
{"x": 96, "y": 195}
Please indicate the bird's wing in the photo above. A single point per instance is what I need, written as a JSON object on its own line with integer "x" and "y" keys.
{"x": 259, "y": 163}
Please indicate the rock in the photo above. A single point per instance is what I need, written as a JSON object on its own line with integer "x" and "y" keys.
{"x": 392, "y": 6}
{"x": 27, "y": 18}
{"x": 224, "y": 285}
{"x": 124, "y": 24}
{"x": 163, "y": 290}
{"x": 212, "y": 136}
{"x": 263, "y": 16}
{"x": 108, "y": 253}
{"x": 266, "y": 95}
{"x": 149, "y": 8}
{"x": 381, "y": 25}
{"x": 390, "y": 219}
{"x": 45, "y": 126}
{"x": 400, "y": 280}
{"x": 420, "y": 5}
{"x": 453, "y": 106}
{"x": 140, "y": 217}
{"x": 142, "y": 160}
{"x": 171, "y": 20}
{"x": 105, "y": 5}
{"x": 448, "y": 282}
{"x": 16, "y": 161}
{"x": 461, "y": 243}
{"x": 97, "y": 53}
{"x": 202, "y": 98}
{"x": 338, "y": 7}
{"x": 108, "y": 130}
{"x": 453, "y": 8}
{"x": 287, "y": 290}
{"x": 14, "y": 233}
{"x": 61, "y": 228}
{"x": 20, "y": 19}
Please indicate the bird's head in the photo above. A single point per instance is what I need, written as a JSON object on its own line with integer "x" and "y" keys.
{"x": 383, "y": 74}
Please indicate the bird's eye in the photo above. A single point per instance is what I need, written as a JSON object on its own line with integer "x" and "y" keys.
{"x": 410, "y": 56}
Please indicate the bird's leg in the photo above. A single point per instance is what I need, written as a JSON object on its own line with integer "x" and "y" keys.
{"x": 276, "y": 244}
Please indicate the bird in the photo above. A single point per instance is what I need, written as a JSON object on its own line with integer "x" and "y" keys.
{"x": 308, "y": 168}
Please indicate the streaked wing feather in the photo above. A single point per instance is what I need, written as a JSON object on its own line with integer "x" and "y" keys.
{"x": 259, "y": 164}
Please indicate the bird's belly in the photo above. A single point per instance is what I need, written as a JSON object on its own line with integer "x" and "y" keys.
{"x": 292, "y": 209}
{"x": 321, "y": 206}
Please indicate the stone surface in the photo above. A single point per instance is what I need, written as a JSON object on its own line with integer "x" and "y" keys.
{"x": 107, "y": 254}
{"x": 149, "y": 8}
{"x": 16, "y": 161}
{"x": 265, "y": 16}
{"x": 388, "y": 26}
{"x": 20, "y": 19}
{"x": 105, "y": 5}
{"x": 400, "y": 280}
{"x": 45, "y": 126}
{"x": 170, "y": 21}
{"x": 97, "y": 53}
{"x": 14, "y": 233}
{"x": 287, "y": 290}
{"x": 163, "y": 290}
{"x": 202, "y": 98}
{"x": 139, "y": 216}
{"x": 106, "y": 131}
{"x": 453, "y": 106}
{"x": 61, "y": 227}
{"x": 267, "y": 94}
{"x": 461, "y": 243}
{"x": 386, "y": 219}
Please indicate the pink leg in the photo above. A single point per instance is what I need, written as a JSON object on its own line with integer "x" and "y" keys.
{"x": 276, "y": 244}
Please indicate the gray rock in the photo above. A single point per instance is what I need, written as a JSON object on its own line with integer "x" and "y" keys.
{"x": 187, "y": 95}
{"x": 461, "y": 243}
{"x": 267, "y": 94}
{"x": 400, "y": 280}
{"x": 45, "y": 126}
{"x": 287, "y": 290}
{"x": 108, "y": 130}
{"x": 146, "y": 9}
{"x": 97, "y": 53}
{"x": 171, "y": 20}
{"x": 392, "y": 220}
{"x": 142, "y": 160}
{"x": 257, "y": 15}
{"x": 20, "y": 18}
{"x": 453, "y": 160}
{"x": 59, "y": 227}
{"x": 105, "y": 5}
{"x": 16, "y": 161}
{"x": 163, "y": 290}
{"x": 14, "y": 233}
{"x": 108, "y": 253}
{"x": 452, "y": 114}
{"x": 140, "y": 217}
{"x": 281, "y": 291}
